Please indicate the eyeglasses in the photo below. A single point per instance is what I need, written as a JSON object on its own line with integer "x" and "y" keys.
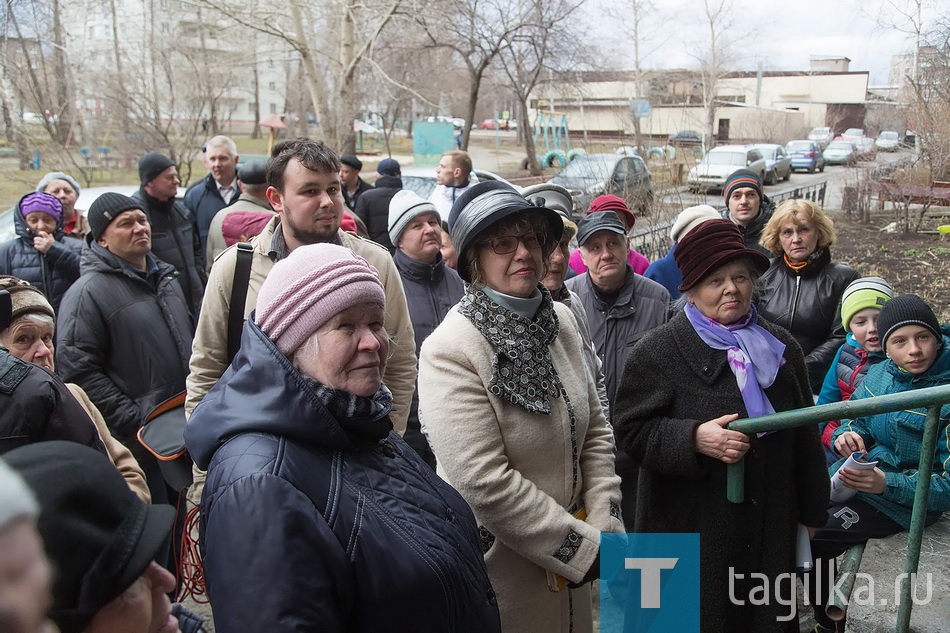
{"x": 504, "y": 244}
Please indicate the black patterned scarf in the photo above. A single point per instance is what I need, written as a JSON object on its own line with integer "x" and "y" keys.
{"x": 521, "y": 372}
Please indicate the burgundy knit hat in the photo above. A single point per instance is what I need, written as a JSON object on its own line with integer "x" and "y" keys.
{"x": 608, "y": 202}
{"x": 709, "y": 246}
{"x": 314, "y": 284}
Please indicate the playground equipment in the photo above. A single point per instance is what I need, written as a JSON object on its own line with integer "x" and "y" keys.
{"x": 551, "y": 134}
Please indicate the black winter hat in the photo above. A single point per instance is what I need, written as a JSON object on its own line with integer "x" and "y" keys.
{"x": 906, "y": 310}
{"x": 98, "y": 534}
{"x": 107, "y": 208}
{"x": 252, "y": 172}
{"x": 352, "y": 161}
{"x": 151, "y": 165}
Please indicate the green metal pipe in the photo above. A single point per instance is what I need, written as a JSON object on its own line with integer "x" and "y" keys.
{"x": 735, "y": 482}
{"x": 838, "y": 602}
{"x": 844, "y": 410}
{"x": 735, "y": 473}
{"x": 918, "y": 514}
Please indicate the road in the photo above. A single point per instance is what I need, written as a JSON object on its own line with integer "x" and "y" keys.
{"x": 837, "y": 176}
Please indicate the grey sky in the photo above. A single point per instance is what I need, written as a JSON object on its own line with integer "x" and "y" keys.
{"x": 779, "y": 35}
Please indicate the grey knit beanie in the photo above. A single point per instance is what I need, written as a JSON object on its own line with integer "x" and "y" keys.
{"x": 57, "y": 175}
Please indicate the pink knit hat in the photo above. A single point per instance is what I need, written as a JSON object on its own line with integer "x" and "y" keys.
{"x": 310, "y": 287}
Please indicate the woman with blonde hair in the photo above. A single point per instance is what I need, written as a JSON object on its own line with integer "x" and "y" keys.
{"x": 801, "y": 291}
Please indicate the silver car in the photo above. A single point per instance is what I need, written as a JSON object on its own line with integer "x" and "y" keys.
{"x": 719, "y": 162}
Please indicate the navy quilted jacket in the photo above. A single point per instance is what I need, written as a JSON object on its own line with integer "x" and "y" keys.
{"x": 305, "y": 528}
{"x": 53, "y": 272}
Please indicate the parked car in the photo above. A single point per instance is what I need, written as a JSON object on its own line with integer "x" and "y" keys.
{"x": 821, "y": 135}
{"x": 489, "y": 124}
{"x": 840, "y": 153}
{"x": 865, "y": 149}
{"x": 590, "y": 175}
{"x": 805, "y": 155}
{"x": 719, "y": 162}
{"x": 853, "y": 132}
{"x": 778, "y": 164}
{"x": 422, "y": 179}
{"x": 686, "y": 137}
{"x": 888, "y": 141}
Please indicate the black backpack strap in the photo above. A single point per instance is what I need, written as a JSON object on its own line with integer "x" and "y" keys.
{"x": 242, "y": 277}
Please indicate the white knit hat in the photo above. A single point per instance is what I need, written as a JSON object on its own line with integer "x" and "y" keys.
{"x": 16, "y": 498}
{"x": 403, "y": 208}
{"x": 690, "y": 218}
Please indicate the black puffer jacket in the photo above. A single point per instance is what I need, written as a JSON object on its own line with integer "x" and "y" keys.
{"x": 51, "y": 273}
{"x": 753, "y": 232}
{"x": 807, "y": 304}
{"x": 175, "y": 241}
{"x": 125, "y": 341}
{"x": 305, "y": 527}
{"x": 35, "y": 406}
{"x": 373, "y": 209}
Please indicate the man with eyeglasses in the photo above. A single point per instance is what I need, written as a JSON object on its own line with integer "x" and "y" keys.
{"x": 621, "y": 308}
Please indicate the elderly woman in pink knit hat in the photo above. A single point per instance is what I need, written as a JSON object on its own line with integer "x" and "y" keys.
{"x": 315, "y": 514}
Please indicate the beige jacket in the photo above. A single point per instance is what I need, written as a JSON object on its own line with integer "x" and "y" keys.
{"x": 119, "y": 454}
{"x": 209, "y": 355}
{"x": 514, "y": 468}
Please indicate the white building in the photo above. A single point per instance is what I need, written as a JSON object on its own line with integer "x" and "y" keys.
{"x": 167, "y": 59}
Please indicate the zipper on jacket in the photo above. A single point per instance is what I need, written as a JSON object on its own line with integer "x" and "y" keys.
{"x": 791, "y": 319}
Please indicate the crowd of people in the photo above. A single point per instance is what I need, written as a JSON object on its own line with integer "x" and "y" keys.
{"x": 422, "y": 414}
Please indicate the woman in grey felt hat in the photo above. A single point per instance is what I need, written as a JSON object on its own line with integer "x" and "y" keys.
{"x": 514, "y": 419}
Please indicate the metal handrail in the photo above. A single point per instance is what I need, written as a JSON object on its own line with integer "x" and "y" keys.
{"x": 931, "y": 397}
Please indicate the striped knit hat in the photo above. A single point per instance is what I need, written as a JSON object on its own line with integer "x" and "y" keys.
{"x": 741, "y": 178}
{"x": 311, "y": 286}
{"x": 867, "y": 292}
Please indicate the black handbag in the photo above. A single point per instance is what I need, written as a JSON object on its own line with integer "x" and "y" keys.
{"x": 163, "y": 435}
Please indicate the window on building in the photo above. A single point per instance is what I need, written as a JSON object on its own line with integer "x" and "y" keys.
{"x": 273, "y": 108}
{"x": 250, "y": 108}
{"x": 272, "y": 85}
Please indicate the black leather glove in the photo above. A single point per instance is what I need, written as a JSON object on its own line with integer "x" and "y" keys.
{"x": 592, "y": 574}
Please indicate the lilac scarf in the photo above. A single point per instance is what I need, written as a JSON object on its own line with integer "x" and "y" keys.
{"x": 754, "y": 355}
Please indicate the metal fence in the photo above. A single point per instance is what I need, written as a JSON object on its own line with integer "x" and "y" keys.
{"x": 654, "y": 241}
{"x": 931, "y": 397}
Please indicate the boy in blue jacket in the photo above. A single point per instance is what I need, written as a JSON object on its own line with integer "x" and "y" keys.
{"x": 918, "y": 352}
{"x": 861, "y": 304}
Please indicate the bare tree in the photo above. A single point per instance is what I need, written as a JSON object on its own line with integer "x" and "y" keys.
{"x": 529, "y": 51}
{"x": 712, "y": 64}
{"x": 646, "y": 34}
{"x": 475, "y": 31}
{"x": 332, "y": 38}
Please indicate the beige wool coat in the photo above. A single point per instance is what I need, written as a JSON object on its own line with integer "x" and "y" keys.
{"x": 514, "y": 468}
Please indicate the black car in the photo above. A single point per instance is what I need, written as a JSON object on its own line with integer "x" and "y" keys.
{"x": 686, "y": 137}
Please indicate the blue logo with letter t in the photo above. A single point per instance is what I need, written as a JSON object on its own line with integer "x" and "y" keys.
{"x": 649, "y": 583}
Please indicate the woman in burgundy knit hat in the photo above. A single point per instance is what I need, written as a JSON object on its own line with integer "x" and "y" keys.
{"x": 715, "y": 361}
{"x": 607, "y": 202}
